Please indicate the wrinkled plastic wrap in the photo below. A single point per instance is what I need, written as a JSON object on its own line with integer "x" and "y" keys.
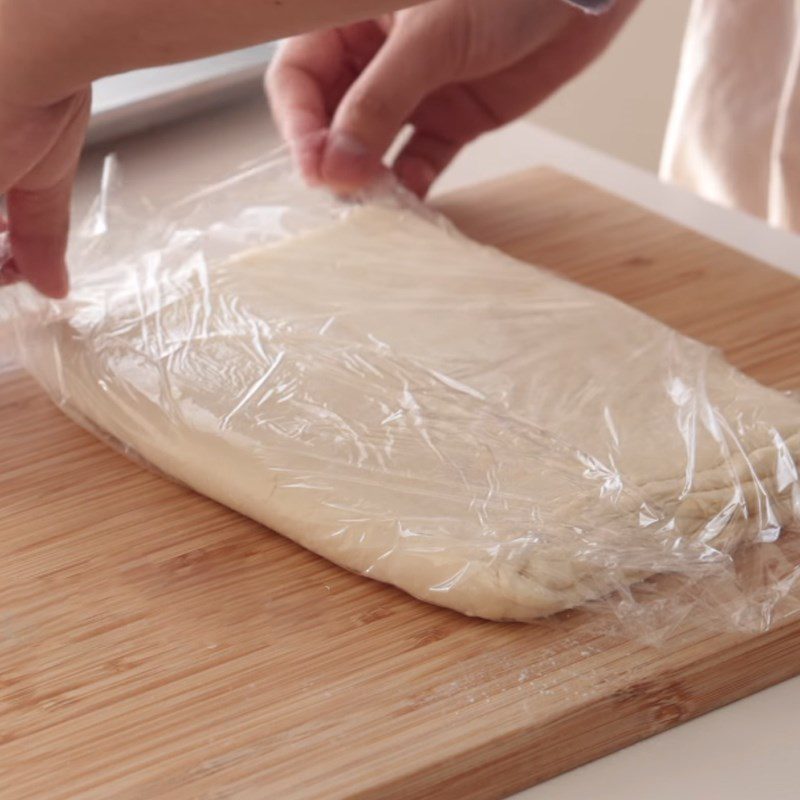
{"x": 363, "y": 379}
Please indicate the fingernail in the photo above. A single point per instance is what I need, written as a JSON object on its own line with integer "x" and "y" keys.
{"x": 347, "y": 145}
{"x": 307, "y": 153}
{"x": 347, "y": 162}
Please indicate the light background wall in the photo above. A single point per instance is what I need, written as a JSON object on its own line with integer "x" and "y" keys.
{"x": 621, "y": 104}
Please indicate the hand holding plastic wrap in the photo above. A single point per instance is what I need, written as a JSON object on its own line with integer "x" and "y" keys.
{"x": 423, "y": 409}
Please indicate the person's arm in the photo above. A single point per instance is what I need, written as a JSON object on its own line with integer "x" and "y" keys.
{"x": 51, "y": 48}
{"x": 51, "y": 51}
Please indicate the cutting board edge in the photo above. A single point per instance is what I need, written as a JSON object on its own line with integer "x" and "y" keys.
{"x": 674, "y": 696}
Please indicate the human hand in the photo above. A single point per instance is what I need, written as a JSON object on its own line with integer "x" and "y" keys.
{"x": 452, "y": 69}
{"x": 39, "y": 150}
{"x": 50, "y": 52}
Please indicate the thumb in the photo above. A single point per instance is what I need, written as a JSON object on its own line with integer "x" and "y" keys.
{"x": 377, "y": 106}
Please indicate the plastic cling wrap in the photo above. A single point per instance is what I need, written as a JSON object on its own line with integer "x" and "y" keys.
{"x": 427, "y": 411}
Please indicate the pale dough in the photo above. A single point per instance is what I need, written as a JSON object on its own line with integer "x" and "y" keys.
{"x": 432, "y": 413}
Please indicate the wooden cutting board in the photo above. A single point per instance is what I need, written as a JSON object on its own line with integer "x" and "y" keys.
{"x": 156, "y": 645}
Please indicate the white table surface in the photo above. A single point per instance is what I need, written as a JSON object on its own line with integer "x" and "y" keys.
{"x": 744, "y": 751}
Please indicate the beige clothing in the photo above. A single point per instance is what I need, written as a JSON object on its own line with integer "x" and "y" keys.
{"x": 734, "y": 135}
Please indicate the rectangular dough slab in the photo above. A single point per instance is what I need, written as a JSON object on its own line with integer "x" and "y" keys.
{"x": 432, "y": 413}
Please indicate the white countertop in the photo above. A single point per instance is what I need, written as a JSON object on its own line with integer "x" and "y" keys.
{"x": 743, "y": 751}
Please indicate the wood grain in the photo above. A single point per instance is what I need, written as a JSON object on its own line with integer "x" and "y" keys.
{"x": 156, "y": 645}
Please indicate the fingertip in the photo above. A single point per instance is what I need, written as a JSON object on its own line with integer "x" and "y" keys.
{"x": 59, "y": 287}
{"x": 347, "y": 163}
{"x": 50, "y": 282}
{"x": 307, "y": 153}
